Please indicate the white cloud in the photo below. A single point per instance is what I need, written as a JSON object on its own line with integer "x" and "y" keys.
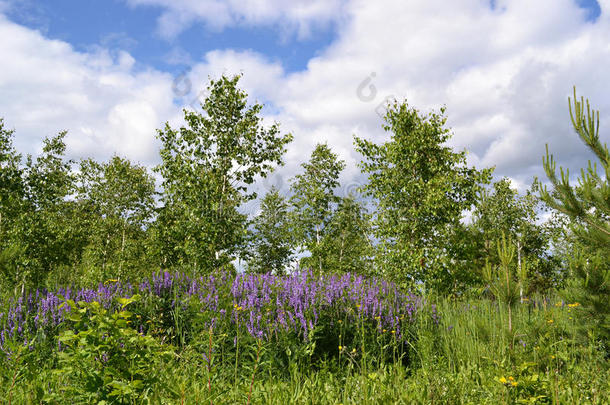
{"x": 107, "y": 107}
{"x": 504, "y": 75}
{"x": 300, "y": 16}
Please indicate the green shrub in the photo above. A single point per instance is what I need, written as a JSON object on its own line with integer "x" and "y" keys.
{"x": 105, "y": 359}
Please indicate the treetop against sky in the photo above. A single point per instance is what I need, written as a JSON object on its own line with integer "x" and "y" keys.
{"x": 113, "y": 72}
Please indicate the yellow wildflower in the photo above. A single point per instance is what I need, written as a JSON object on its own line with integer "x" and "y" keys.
{"x": 514, "y": 383}
{"x": 503, "y": 380}
{"x": 550, "y": 321}
{"x": 573, "y": 305}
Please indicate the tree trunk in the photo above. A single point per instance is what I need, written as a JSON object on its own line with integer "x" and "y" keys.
{"x": 122, "y": 250}
{"x": 519, "y": 270}
{"x": 341, "y": 253}
{"x": 105, "y": 254}
{"x": 317, "y": 245}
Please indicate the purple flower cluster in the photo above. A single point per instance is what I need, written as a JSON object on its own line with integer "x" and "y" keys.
{"x": 41, "y": 312}
{"x": 269, "y": 305}
{"x": 264, "y": 306}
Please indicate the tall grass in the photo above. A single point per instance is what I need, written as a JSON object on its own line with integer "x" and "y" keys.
{"x": 355, "y": 341}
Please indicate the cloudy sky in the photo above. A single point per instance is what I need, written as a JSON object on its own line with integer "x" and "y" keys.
{"x": 112, "y": 71}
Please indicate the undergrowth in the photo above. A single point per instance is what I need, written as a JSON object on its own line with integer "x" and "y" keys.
{"x": 294, "y": 339}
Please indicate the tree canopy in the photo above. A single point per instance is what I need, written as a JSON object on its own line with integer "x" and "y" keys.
{"x": 421, "y": 187}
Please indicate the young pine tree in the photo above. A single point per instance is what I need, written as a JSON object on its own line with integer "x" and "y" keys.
{"x": 588, "y": 207}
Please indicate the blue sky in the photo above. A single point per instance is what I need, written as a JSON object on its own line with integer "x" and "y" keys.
{"x": 105, "y": 70}
{"x": 592, "y": 7}
{"x": 115, "y": 24}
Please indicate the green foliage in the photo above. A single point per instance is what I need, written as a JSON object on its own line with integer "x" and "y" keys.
{"x": 206, "y": 169}
{"x": 503, "y": 212}
{"x": 421, "y": 189}
{"x": 66, "y": 226}
{"x": 121, "y": 197}
{"x": 271, "y": 248}
{"x": 12, "y": 188}
{"x": 49, "y": 178}
{"x": 471, "y": 357}
{"x": 504, "y": 283}
{"x": 588, "y": 207}
{"x": 12, "y": 194}
{"x": 104, "y": 359}
{"x": 465, "y": 356}
{"x": 313, "y": 200}
{"x": 34, "y": 214}
{"x": 346, "y": 245}
{"x": 57, "y": 226}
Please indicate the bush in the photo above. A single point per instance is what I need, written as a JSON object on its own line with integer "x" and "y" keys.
{"x": 103, "y": 358}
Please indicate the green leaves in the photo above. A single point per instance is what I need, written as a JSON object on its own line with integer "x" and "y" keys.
{"x": 272, "y": 243}
{"x": 314, "y": 199}
{"x": 121, "y": 197}
{"x": 206, "y": 169}
{"x": 104, "y": 358}
{"x": 126, "y": 301}
{"x": 420, "y": 188}
{"x": 34, "y": 214}
{"x": 346, "y": 246}
{"x": 502, "y": 279}
{"x": 502, "y": 211}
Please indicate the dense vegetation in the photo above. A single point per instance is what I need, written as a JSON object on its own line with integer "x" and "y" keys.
{"x": 115, "y": 289}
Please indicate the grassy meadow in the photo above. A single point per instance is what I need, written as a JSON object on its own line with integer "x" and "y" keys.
{"x": 407, "y": 301}
{"x": 302, "y": 338}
